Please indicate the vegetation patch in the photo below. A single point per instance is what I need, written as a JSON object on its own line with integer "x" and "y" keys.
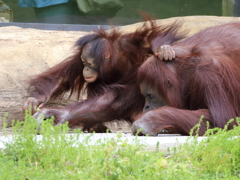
{"x": 60, "y": 156}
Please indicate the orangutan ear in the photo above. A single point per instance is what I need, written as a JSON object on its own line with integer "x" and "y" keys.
{"x": 107, "y": 56}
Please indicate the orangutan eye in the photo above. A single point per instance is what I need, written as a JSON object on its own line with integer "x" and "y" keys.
{"x": 150, "y": 96}
{"x": 169, "y": 84}
{"x": 85, "y": 63}
{"x": 83, "y": 60}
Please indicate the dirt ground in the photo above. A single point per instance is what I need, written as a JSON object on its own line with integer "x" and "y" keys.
{"x": 25, "y": 52}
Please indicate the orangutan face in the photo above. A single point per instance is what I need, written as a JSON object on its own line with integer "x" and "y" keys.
{"x": 90, "y": 72}
{"x": 152, "y": 98}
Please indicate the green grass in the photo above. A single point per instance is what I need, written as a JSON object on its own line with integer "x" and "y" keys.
{"x": 58, "y": 156}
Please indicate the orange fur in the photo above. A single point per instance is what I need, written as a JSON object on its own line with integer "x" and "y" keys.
{"x": 204, "y": 75}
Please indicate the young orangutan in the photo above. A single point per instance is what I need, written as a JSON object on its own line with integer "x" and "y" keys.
{"x": 108, "y": 63}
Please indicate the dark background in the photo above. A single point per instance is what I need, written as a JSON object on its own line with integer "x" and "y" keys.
{"x": 128, "y": 14}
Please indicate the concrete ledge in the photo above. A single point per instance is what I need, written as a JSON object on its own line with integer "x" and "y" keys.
{"x": 165, "y": 142}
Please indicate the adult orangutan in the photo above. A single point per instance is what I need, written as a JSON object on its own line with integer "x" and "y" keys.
{"x": 108, "y": 63}
{"x": 203, "y": 79}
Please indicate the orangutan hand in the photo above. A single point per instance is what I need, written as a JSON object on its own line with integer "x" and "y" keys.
{"x": 165, "y": 52}
{"x": 60, "y": 115}
{"x": 33, "y": 104}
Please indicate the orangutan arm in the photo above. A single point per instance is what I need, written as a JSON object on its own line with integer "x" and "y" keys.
{"x": 86, "y": 113}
